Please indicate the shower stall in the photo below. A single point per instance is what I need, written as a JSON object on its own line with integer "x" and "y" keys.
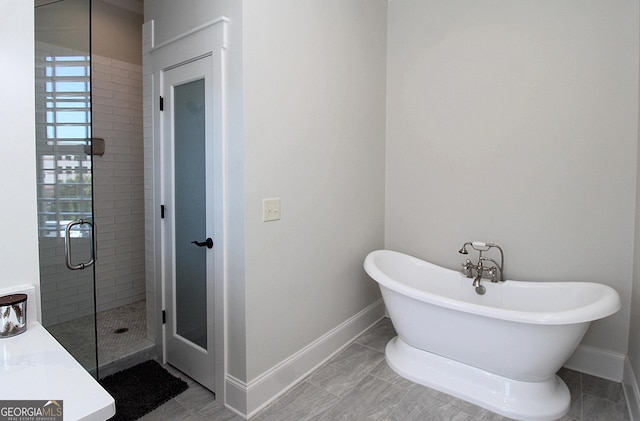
{"x": 90, "y": 183}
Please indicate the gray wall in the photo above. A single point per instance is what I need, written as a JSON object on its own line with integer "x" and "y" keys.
{"x": 314, "y": 83}
{"x": 516, "y": 123}
{"x": 65, "y": 24}
{"x": 306, "y": 124}
{"x": 634, "y": 328}
{"x": 116, "y": 33}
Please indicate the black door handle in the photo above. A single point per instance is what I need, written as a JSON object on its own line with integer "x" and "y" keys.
{"x": 208, "y": 242}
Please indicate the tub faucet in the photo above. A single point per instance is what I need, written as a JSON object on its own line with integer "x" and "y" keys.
{"x": 494, "y": 273}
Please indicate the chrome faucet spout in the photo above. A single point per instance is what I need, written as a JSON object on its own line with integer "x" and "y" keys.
{"x": 480, "y": 289}
{"x": 480, "y": 269}
{"x": 476, "y": 281}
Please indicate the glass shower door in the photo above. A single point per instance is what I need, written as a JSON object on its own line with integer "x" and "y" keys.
{"x": 64, "y": 179}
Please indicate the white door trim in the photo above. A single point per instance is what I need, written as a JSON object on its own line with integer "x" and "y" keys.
{"x": 207, "y": 39}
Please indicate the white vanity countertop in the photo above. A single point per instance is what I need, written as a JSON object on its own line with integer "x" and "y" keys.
{"x": 34, "y": 366}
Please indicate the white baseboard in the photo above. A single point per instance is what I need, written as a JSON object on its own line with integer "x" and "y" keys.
{"x": 597, "y": 362}
{"x": 236, "y": 396}
{"x": 631, "y": 391}
{"x": 246, "y": 399}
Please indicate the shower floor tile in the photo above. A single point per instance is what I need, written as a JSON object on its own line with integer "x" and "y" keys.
{"x": 121, "y": 331}
{"x": 122, "y": 338}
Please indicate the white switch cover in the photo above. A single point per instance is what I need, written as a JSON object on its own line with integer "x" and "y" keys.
{"x": 270, "y": 209}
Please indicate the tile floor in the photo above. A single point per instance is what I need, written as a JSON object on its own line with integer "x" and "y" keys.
{"x": 116, "y": 351}
{"x": 358, "y": 385}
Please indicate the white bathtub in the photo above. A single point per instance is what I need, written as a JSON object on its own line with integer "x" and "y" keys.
{"x": 499, "y": 350}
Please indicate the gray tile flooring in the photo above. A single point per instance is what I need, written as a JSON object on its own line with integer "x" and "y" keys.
{"x": 358, "y": 385}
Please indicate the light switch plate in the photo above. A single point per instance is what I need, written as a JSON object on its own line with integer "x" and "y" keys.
{"x": 271, "y": 209}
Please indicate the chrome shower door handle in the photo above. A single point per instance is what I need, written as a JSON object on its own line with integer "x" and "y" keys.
{"x": 67, "y": 245}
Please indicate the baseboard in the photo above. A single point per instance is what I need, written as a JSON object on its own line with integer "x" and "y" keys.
{"x": 597, "y": 362}
{"x": 246, "y": 399}
{"x": 631, "y": 391}
{"x": 236, "y": 396}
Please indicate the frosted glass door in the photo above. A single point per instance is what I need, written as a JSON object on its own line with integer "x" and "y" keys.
{"x": 190, "y": 212}
{"x": 188, "y": 194}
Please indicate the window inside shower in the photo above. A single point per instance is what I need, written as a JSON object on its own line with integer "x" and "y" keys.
{"x": 64, "y": 167}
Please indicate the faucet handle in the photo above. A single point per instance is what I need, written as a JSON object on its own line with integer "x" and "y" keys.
{"x": 492, "y": 272}
{"x": 467, "y": 268}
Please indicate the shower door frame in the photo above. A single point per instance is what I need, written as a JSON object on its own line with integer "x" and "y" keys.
{"x": 206, "y": 40}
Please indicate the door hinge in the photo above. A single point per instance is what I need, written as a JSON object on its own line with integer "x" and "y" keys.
{"x": 164, "y": 317}
{"x": 161, "y": 211}
{"x": 161, "y": 104}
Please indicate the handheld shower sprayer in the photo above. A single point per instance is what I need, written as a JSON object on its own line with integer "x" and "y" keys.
{"x": 463, "y": 250}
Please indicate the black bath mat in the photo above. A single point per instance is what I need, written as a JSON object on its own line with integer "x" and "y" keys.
{"x": 141, "y": 389}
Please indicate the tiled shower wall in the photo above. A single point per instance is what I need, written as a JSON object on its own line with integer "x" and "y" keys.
{"x": 118, "y": 198}
{"x": 118, "y": 182}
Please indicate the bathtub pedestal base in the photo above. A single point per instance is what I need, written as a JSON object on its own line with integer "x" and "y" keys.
{"x": 548, "y": 400}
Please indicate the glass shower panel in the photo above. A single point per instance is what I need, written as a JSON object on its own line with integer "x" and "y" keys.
{"x": 190, "y": 214}
{"x": 64, "y": 174}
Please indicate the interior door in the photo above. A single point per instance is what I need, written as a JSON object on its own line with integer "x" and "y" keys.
{"x": 65, "y": 176}
{"x": 188, "y": 223}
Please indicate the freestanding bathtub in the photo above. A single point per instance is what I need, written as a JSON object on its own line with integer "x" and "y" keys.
{"x": 499, "y": 350}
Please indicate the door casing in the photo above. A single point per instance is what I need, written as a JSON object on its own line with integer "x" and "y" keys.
{"x": 207, "y": 40}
